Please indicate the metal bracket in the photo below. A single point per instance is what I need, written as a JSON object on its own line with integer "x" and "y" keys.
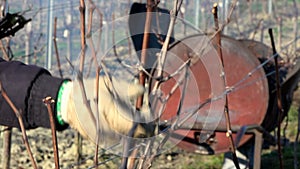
{"x": 258, "y": 132}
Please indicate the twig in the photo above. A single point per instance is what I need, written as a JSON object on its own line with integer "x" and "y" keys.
{"x": 56, "y": 49}
{"x": 78, "y": 142}
{"x": 142, "y": 161}
{"x": 250, "y": 10}
{"x": 100, "y": 23}
{"x": 279, "y": 28}
{"x": 5, "y": 160}
{"x": 80, "y": 73}
{"x": 19, "y": 116}
{"x": 296, "y": 27}
{"x": 161, "y": 60}
{"x": 7, "y": 132}
{"x": 256, "y": 29}
{"x": 48, "y": 101}
{"x": 82, "y": 33}
{"x": 90, "y": 40}
{"x": 279, "y": 103}
{"x": 81, "y": 66}
{"x": 127, "y": 34}
{"x": 36, "y": 50}
{"x": 232, "y": 7}
{"x": 89, "y": 35}
{"x": 164, "y": 49}
{"x": 218, "y": 45}
{"x": 142, "y": 78}
{"x": 6, "y": 154}
{"x": 296, "y": 141}
{"x": 262, "y": 30}
{"x": 159, "y": 147}
{"x": 97, "y": 120}
{"x": 113, "y": 35}
{"x": 181, "y": 81}
{"x": 5, "y": 54}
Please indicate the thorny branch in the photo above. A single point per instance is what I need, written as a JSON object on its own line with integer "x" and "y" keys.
{"x": 19, "y": 116}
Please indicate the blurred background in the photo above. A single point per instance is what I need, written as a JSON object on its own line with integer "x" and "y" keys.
{"x": 250, "y": 19}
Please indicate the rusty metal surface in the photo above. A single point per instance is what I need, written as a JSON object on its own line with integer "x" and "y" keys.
{"x": 248, "y": 102}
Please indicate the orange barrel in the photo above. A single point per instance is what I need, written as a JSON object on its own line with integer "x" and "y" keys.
{"x": 247, "y": 87}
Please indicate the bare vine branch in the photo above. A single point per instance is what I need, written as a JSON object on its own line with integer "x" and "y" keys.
{"x": 228, "y": 19}
{"x": 56, "y": 49}
{"x": 48, "y": 101}
{"x": 218, "y": 44}
{"x": 19, "y": 116}
{"x": 279, "y": 102}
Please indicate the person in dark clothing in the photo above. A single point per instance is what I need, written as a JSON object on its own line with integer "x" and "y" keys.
{"x": 158, "y": 31}
{"x": 28, "y": 85}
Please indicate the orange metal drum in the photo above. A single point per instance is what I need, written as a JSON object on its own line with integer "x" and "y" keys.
{"x": 248, "y": 100}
